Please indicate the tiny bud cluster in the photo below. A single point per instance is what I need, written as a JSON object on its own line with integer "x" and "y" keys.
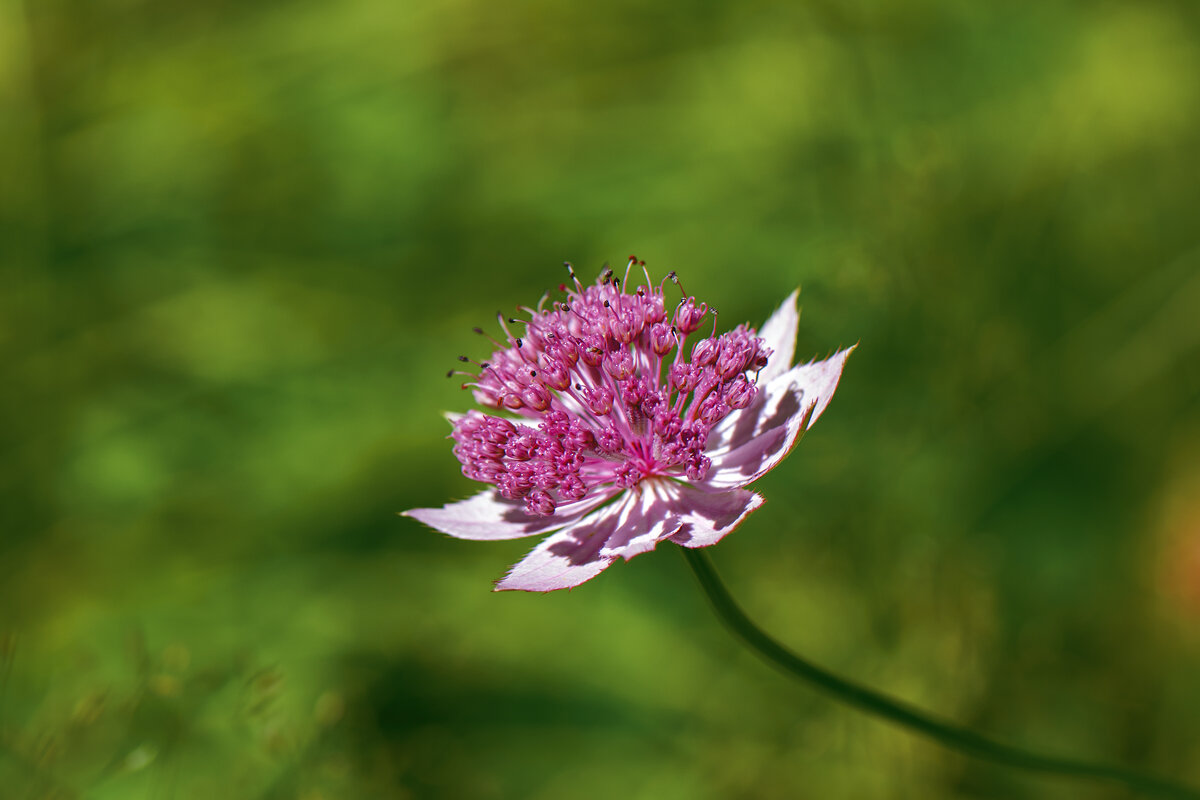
{"x": 604, "y": 393}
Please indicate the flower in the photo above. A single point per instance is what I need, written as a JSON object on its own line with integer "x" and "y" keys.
{"x": 607, "y": 437}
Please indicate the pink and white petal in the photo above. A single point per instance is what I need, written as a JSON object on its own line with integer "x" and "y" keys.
{"x": 707, "y": 516}
{"x": 772, "y": 406}
{"x": 571, "y": 556}
{"x": 740, "y": 425}
{"x": 488, "y": 516}
{"x": 779, "y": 333}
{"x": 651, "y": 517}
{"x": 767, "y": 430}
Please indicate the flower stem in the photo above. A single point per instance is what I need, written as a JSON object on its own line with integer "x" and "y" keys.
{"x": 872, "y": 702}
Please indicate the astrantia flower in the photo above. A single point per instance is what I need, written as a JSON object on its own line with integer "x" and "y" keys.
{"x": 618, "y": 419}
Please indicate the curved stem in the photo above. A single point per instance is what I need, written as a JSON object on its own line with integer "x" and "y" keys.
{"x": 873, "y": 702}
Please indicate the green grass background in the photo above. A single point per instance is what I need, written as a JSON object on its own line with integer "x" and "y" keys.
{"x": 242, "y": 242}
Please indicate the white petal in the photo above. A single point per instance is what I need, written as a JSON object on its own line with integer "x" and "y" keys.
{"x": 758, "y": 437}
{"x": 488, "y": 516}
{"x": 571, "y": 556}
{"x": 653, "y": 515}
{"x": 779, "y": 332}
{"x": 711, "y": 515}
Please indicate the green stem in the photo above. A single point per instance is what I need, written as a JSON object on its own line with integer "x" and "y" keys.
{"x": 868, "y": 700}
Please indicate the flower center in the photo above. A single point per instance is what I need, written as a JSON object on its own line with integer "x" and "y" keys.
{"x": 603, "y": 392}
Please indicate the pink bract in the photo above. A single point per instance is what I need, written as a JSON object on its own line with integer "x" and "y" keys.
{"x": 601, "y": 432}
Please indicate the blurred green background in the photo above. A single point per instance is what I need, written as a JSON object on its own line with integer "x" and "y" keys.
{"x": 243, "y": 241}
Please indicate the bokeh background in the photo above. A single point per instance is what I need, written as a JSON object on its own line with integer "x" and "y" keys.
{"x": 242, "y": 242}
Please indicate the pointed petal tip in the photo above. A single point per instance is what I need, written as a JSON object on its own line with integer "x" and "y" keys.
{"x": 790, "y": 303}
{"x": 487, "y": 516}
{"x": 498, "y": 586}
{"x": 544, "y": 584}
{"x": 840, "y": 354}
{"x": 432, "y": 518}
{"x": 779, "y": 334}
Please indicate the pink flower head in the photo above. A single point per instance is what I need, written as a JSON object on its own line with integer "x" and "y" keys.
{"x": 618, "y": 420}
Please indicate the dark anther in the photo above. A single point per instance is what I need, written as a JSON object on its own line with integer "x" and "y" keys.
{"x": 513, "y": 321}
{"x": 641, "y": 263}
{"x": 533, "y": 373}
{"x": 450, "y": 373}
{"x": 671, "y": 276}
{"x": 478, "y": 330}
{"x": 463, "y": 359}
{"x": 606, "y": 305}
{"x": 519, "y": 343}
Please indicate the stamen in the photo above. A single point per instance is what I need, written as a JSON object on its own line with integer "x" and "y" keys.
{"x": 574, "y": 277}
{"x": 503, "y": 325}
{"x": 488, "y": 336}
{"x": 675, "y": 280}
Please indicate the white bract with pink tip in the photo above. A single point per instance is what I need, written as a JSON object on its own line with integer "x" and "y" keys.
{"x": 610, "y": 440}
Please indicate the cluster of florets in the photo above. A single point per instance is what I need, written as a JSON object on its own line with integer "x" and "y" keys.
{"x": 601, "y": 378}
